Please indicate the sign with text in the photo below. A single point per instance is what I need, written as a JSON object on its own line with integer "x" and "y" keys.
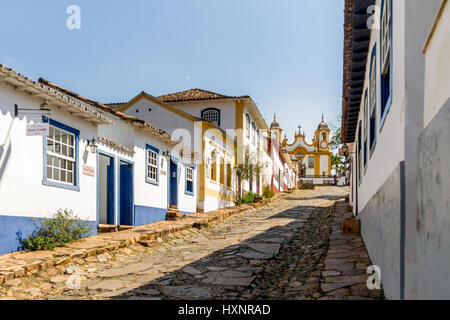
{"x": 37, "y": 129}
{"x": 89, "y": 171}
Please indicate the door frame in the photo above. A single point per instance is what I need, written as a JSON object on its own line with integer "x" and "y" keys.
{"x": 113, "y": 157}
{"x": 169, "y": 183}
{"x": 132, "y": 189}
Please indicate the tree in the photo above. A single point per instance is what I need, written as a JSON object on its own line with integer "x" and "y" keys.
{"x": 341, "y": 164}
{"x": 249, "y": 170}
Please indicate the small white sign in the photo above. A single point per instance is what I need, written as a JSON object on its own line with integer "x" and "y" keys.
{"x": 37, "y": 129}
{"x": 89, "y": 171}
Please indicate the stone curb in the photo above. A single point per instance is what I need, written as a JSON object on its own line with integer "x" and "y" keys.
{"x": 25, "y": 263}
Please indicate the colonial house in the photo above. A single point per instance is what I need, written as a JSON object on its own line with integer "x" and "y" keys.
{"x": 238, "y": 116}
{"x": 395, "y": 124}
{"x": 314, "y": 160}
{"x": 279, "y": 166}
{"x": 62, "y": 151}
{"x": 215, "y": 151}
{"x": 290, "y": 171}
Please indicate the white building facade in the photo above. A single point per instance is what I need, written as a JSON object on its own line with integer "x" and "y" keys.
{"x": 382, "y": 119}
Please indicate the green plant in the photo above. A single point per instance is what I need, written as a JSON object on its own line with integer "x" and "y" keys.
{"x": 268, "y": 192}
{"x": 250, "y": 197}
{"x": 63, "y": 228}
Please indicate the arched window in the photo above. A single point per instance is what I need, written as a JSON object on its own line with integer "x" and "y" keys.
{"x": 324, "y": 136}
{"x": 212, "y": 115}
{"x": 213, "y": 167}
{"x": 258, "y": 137}
{"x": 247, "y": 125}
{"x": 253, "y": 133}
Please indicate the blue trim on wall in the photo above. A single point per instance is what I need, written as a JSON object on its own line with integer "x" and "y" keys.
{"x": 145, "y": 215}
{"x": 76, "y": 178}
{"x": 147, "y": 180}
{"x": 12, "y": 226}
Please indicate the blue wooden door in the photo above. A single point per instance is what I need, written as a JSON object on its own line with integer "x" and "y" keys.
{"x": 126, "y": 194}
{"x": 173, "y": 183}
{"x": 110, "y": 192}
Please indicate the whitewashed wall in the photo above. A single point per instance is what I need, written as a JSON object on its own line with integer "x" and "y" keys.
{"x": 163, "y": 118}
{"x": 22, "y": 192}
{"x": 437, "y": 68}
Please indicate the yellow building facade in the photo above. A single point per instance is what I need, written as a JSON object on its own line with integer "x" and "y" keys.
{"x": 314, "y": 159}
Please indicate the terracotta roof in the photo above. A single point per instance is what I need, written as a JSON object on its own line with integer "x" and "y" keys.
{"x": 195, "y": 95}
{"x": 135, "y": 121}
{"x": 356, "y": 46}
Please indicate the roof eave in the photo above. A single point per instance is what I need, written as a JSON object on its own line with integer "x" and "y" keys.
{"x": 53, "y": 96}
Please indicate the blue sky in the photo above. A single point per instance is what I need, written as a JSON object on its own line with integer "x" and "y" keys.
{"x": 286, "y": 54}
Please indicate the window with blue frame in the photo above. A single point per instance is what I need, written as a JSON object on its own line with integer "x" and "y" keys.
{"x": 152, "y": 162}
{"x": 373, "y": 101}
{"x": 189, "y": 181}
{"x": 61, "y": 156}
{"x": 359, "y": 159}
{"x": 386, "y": 57}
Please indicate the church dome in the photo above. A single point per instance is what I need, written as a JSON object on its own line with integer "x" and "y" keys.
{"x": 323, "y": 125}
{"x": 275, "y": 124}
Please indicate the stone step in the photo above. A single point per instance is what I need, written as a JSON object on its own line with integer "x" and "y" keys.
{"x": 174, "y": 216}
{"x": 122, "y": 228}
{"x": 149, "y": 243}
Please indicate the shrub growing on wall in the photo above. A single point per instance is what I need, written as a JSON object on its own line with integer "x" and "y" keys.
{"x": 64, "y": 228}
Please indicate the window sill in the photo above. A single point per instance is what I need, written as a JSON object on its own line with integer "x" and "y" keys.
{"x": 60, "y": 185}
{"x": 188, "y": 193}
{"x": 155, "y": 183}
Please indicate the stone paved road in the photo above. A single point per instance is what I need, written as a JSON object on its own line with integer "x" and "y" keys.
{"x": 268, "y": 253}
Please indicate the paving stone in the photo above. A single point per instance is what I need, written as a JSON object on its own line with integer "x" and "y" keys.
{"x": 192, "y": 271}
{"x": 108, "y": 285}
{"x": 228, "y": 281}
{"x": 186, "y": 292}
{"x": 331, "y": 273}
{"x": 149, "y": 292}
{"x": 59, "y": 279}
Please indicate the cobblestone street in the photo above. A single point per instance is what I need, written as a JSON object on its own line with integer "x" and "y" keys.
{"x": 277, "y": 252}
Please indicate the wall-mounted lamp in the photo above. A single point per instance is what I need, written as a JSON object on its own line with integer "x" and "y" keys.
{"x": 166, "y": 155}
{"x": 92, "y": 144}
